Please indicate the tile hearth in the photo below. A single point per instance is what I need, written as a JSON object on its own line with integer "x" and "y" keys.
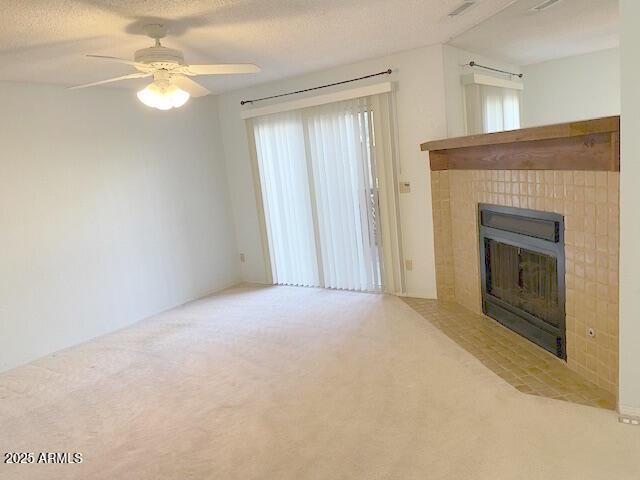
{"x": 525, "y": 366}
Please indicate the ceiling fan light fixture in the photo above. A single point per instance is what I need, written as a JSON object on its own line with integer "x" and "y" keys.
{"x": 172, "y": 84}
{"x": 163, "y": 96}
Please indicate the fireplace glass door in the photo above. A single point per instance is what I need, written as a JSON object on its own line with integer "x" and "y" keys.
{"x": 524, "y": 279}
{"x": 522, "y": 269}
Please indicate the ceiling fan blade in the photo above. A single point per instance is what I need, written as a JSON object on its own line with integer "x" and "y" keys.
{"x": 116, "y": 79}
{"x": 193, "y": 88}
{"x": 221, "y": 69}
{"x": 139, "y": 65}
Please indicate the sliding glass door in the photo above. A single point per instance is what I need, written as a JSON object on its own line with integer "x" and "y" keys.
{"x": 287, "y": 199}
{"x": 320, "y": 195}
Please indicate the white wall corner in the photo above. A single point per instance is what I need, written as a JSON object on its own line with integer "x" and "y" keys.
{"x": 629, "y": 411}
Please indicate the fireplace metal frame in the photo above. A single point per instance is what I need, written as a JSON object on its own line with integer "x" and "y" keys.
{"x": 535, "y": 329}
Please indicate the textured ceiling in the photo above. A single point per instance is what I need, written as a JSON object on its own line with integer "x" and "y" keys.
{"x": 46, "y": 40}
{"x": 570, "y": 27}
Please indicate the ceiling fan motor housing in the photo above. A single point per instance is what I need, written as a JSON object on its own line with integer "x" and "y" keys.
{"x": 160, "y": 57}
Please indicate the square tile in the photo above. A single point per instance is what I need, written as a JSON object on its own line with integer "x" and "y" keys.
{"x": 520, "y": 363}
{"x": 589, "y": 202}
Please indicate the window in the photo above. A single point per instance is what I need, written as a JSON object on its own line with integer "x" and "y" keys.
{"x": 327, "y": 179}
{"x": 500, "y": 109}
{"x": 491, "y": 108}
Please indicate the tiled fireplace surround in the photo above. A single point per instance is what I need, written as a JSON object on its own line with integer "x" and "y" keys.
{"x": 589, "y": 202}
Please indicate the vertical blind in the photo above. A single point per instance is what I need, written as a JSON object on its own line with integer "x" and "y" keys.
{"x": 280, "y": 145}
{"x": 327, "y": 177}
{"x": 491, "y": 109}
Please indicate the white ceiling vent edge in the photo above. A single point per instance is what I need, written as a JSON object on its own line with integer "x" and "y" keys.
{"x": 462, "y": 8}
{"x": 544, "y": 5}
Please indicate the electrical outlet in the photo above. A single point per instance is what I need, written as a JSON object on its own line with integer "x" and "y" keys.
{"x": 591, "y": 332}
{"x": 242, "y": 257}
{"x": 408, "y": 265}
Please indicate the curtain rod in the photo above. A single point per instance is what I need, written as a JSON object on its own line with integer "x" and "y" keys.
{"x": 474, "y": 64}
{"x": 386, "y": 72}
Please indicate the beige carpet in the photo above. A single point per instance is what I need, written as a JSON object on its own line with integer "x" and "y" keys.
{"x": 295, "y": 383}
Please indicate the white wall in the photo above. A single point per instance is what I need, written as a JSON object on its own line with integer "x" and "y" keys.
{"x": 109, "y": 213}
{"x": 421, "y": 117}
{"x": 629, "y": 398}
{"x": 455, "y": 66}
{"x": 572, "y": 88}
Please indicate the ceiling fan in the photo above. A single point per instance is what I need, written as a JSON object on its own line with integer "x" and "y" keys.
{"x": 172, "y": 85}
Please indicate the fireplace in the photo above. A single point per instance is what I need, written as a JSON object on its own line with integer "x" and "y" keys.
{"x": 522, "y": 272}
{"x": 572, "y": 170}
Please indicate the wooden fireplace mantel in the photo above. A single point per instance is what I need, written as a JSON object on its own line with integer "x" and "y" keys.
{"x": 584, "y": 145}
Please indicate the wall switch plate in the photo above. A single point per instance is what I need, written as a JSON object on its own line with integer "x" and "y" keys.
{"x": 405, "y": 187}
{"x": 408, "y": 265}
{"x": 242, "y": 257}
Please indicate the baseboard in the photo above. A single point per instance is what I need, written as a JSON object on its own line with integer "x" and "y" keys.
{"x": 414, "y": 295}
{"x": 254, "y": 283}
{"x": 75, "y": 343}
{"x": 629, "y": 411}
